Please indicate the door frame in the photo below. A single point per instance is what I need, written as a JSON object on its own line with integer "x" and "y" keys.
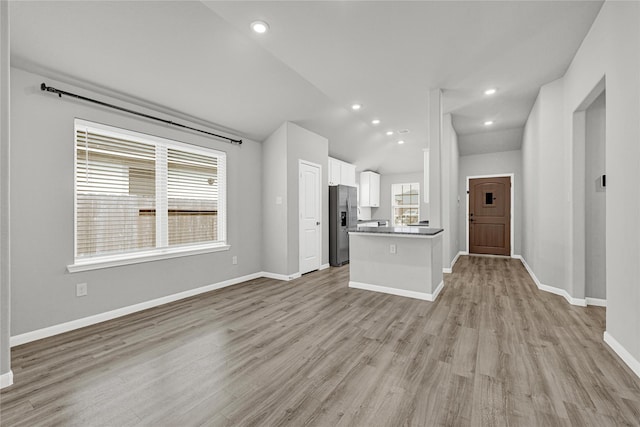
{"x": 320, "y": 227}
{"x": 577, "y": 193}
{"x": 511, "y": 177}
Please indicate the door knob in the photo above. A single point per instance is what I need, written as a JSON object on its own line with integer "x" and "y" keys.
{"x": 318, "y": 223}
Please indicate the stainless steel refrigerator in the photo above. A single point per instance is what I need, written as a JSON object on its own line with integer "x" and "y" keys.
{"x": 343, "y": 217}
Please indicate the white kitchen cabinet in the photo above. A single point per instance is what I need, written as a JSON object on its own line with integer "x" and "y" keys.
{"x": 375, "y": 190}
{"x": 347, "y": 174}
{"x": 341, "y": 173}
{"x": 334, "y": 171}
{"x": 369, "y": 189}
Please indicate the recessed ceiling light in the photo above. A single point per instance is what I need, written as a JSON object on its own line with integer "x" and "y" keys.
{"x": 260, "y": 27}
{"x": 403, "y": 131}
{"x": 401, "y": 142}
{"x": 488, "y": 123}
{"x": 389, "y": 132}
{"x": 375, "y": 121}
{"x": 356, "y": 107}
{"x": 490, "y": 91}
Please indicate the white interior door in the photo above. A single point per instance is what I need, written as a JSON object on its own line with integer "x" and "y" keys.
{"x": 310, "y": 206}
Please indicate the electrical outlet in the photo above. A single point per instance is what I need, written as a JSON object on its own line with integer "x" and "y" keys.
{"x": 392, "y": 249}
{"x": 234, "y": 260}
{"x": 81, "y": 289}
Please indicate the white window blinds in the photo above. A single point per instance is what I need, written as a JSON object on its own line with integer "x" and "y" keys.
{"x": 138, "y": 193}
{"x": 193, "y": 195}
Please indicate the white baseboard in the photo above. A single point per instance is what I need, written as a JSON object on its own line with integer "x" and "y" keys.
{"x": 622, "y": 352}
{"x": 277, "y": 276}
{"x": 437, "y": 291}
{"x": 453, "y": 262}
{"x": 399, "y": 292}
{"x": 596, "y": 301}
{"x": 92, "y": 320}
{"x": 573, "y": 301}
{"x": 6, "y": 379}
{"x": 581, "y": 302}
{"x": 323, "y": 267}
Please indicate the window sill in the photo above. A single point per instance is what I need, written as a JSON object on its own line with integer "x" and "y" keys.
{"x": 119, "y": 260}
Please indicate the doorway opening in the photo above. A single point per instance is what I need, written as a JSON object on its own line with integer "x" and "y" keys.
{"x": 589, "y": 197}
{"x": 490, "y": 214}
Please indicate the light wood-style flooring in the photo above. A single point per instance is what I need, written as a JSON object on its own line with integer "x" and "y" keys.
{"x": 492, "y": 350}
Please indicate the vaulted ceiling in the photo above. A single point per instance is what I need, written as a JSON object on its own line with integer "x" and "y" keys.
{"x": 202, "y": 59}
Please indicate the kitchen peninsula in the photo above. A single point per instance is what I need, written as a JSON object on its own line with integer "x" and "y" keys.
{"x": 405, "y": 261}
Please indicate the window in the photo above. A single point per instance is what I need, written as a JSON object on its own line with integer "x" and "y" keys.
{"x": 138, "y": 195}
{"x": 405, "y": 203}
{"x": 488, "y": 198}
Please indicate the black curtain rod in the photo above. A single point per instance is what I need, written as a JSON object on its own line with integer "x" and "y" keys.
{"x": 43, "y": 86}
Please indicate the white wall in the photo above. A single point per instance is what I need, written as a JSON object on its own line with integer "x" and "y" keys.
{"x": 530, "y": 168}
{"x": 595, "y": 199}
{"x": 435, "y": 120}
{"x": 490, "y": 141}
{"x": 274, "y": 202}
{"x": 506, "y": 162}
{"x": 611, "y": 49}
{"x": 545, "y": 192}
{"x": 43, "y": 292}
{"x": 281, "y": 152}
{"x": 450, "y": 181}
{"x": 5, "y": 276}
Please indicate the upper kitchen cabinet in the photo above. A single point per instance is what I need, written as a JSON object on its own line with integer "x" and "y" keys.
{"x": 341, "y": 173}
{"x": 369, "y": 189}
{"x": 347, "y": 174}
{"x": 334, "y": 171}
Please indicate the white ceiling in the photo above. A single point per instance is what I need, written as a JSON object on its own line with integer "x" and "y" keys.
{"x": 203, "y": 60}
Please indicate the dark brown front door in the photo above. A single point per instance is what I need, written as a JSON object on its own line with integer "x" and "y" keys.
{"x": 490, "y": 216}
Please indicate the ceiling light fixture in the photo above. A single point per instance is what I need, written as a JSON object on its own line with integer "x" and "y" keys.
{"x": 401, "y": 142}
{"x": 260, "y": 27}
{"x": 389, "y": 132}
{"x": 356, "y": 107}
{"x": 375, "y": 121}
{"x": 490, "y": 91}
{"x": 488, "y": 123}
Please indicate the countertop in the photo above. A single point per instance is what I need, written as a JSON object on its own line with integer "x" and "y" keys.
{"x": 415, "y": 231}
